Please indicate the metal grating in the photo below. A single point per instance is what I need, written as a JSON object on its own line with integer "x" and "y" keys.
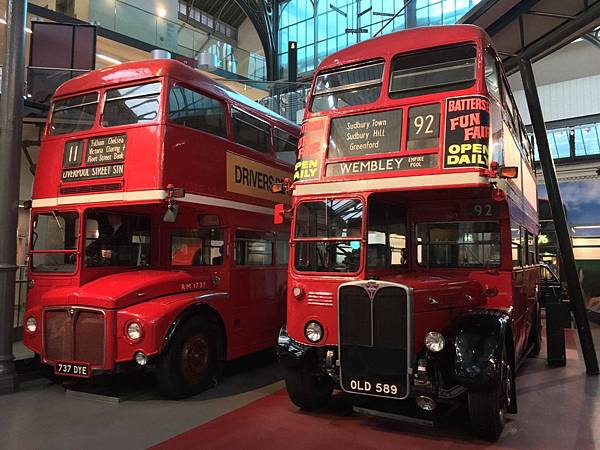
{"x": 320, "y": 298}
{"x": 91, "y": 188}
{"x": 74, "y": 335}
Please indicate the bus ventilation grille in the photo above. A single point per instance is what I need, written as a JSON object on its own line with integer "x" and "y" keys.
{"x": 320, "y": 298}
{"x": 91, "y": 188}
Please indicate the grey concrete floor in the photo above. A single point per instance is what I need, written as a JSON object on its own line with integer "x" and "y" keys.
{"x": 43, "y": 415}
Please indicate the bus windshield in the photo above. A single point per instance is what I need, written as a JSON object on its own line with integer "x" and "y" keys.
{"x": 54, "y": 242}
{"x": 327, "y": 235}
{"x": 116, "y": 239}
{"x": 458, "y": 244}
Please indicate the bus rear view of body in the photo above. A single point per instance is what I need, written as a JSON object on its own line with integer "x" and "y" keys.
{"x": 413, "y": 269}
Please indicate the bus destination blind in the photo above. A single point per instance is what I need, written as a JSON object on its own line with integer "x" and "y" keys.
{"x": 365, "y": 134}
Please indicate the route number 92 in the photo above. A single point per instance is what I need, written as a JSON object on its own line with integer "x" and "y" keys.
{"x": 483, "y": 210}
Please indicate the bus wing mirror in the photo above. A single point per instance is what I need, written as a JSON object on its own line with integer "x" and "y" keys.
{"x": 279, "y": 214}
{"x": 283, "y": 187}
{"x": 508, "y": 172}
{"x": 171, "y": 213}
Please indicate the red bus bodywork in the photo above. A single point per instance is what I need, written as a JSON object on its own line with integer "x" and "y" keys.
{"x": 370, "y": 154}
{"x": 217, "y": 188}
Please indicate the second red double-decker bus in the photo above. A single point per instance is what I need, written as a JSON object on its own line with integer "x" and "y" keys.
{"x": 413, "y": 258}
{"x": 151, "y": 236}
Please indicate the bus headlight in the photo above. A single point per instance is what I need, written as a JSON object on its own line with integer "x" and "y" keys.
{"x": 297, "y": 291}
{"x": 313, "y": 331}
{"x": 134, "y": 331}
{"x": 31, "y": 324}
{"x": 434, "y": 341}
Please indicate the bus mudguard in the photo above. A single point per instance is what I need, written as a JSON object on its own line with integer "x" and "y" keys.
{"x": 479, "y": 338}
{"x": 198, "y": 306}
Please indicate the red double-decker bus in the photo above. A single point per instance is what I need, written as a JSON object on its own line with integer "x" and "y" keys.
{"x": 152, "y": 240}
{"x": 413, "y": 260}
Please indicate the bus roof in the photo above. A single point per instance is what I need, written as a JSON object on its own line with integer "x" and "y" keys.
{"x": 140, "y": 70}
{"x": 414, "y": 39}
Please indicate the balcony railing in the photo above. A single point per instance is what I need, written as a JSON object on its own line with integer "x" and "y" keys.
{"x": 167, "y": 33}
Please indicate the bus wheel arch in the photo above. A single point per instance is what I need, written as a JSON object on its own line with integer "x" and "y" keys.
{"x": 193, "y": 354}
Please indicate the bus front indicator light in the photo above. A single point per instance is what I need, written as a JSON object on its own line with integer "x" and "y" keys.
{"x": 434, "y": 341}
{"x": 313, "y": 331}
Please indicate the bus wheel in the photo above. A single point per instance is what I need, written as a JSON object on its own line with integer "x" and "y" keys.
{"x": 535, "y": 336}
{"x": 307, "y": 391}
{"x": 190, "y": 364}
{"x": 487, "y": 408}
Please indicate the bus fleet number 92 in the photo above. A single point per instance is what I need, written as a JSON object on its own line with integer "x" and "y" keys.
{"x": 377, "y": 388}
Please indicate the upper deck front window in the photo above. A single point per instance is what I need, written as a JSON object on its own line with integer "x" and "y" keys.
{"x": 348, "y": 87}
{"x": 431, "y": 71}
{"x": 131, "y": 104}
{"x": 74, "y": 114}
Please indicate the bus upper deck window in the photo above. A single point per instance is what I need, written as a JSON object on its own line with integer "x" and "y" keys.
{"x": 131, "y": 104}
{"x": 347, "y": 87}
{"x": 74, "y": 114}
{"x": 491, "y": 75}
{"x": 431, "y": 71}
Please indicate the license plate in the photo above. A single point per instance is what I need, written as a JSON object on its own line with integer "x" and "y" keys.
{"x": 72, "y": 369}
{"x": 377, "y": 389}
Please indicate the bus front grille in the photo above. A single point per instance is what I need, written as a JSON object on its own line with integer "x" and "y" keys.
{"x": 74, "y": 334}
{"x": 375, "y": 338}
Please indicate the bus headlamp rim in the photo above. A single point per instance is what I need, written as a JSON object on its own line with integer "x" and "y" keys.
{"x": 434, "y": 341}
{"x": 131, "y": 333}
{"x": 314, "y": 329}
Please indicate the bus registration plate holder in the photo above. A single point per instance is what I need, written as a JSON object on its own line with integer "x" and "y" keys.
{"x": 73, "y": 369}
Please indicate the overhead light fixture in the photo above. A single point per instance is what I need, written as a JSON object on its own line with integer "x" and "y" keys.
{"x": 108, "y": 59}
{"x": 161, "y": 12}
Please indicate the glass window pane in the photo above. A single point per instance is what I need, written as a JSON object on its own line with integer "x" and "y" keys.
{"x": 251, "y": 132}
{"x": 131, "y": 104}
{"x": 194, "y": 110}
{"x": 74, "y": 114}
{"x": 432, "y": 71}
{"x": 329, "y": 219}
{"x": 199, "y": 247}
{"x": 253, "y": 248}
{"x": 286, "y": 146}
{"x": 116, "y": 239}
{"x": 458, "y": 244}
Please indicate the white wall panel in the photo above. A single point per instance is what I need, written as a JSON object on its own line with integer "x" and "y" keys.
{"x": 565, "y": 100}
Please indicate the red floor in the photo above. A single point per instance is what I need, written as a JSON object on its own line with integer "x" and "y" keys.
{"x": 559, "y": 409}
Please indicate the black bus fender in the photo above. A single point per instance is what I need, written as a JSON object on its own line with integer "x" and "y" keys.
{"x": 199, "y": 308}
{"x": 479, "y": 339}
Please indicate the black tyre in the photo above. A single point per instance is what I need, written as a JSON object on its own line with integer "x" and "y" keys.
{"x": 488, "y": 408}
{"x": 307, "y": 391}
{"x": 192, "y": 362}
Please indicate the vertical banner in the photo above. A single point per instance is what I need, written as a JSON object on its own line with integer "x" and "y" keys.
{"x": 467, "y": 132}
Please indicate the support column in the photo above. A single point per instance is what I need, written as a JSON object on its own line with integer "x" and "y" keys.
{"x": 560, "y": 219}
{"x": 11, "y": 132}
